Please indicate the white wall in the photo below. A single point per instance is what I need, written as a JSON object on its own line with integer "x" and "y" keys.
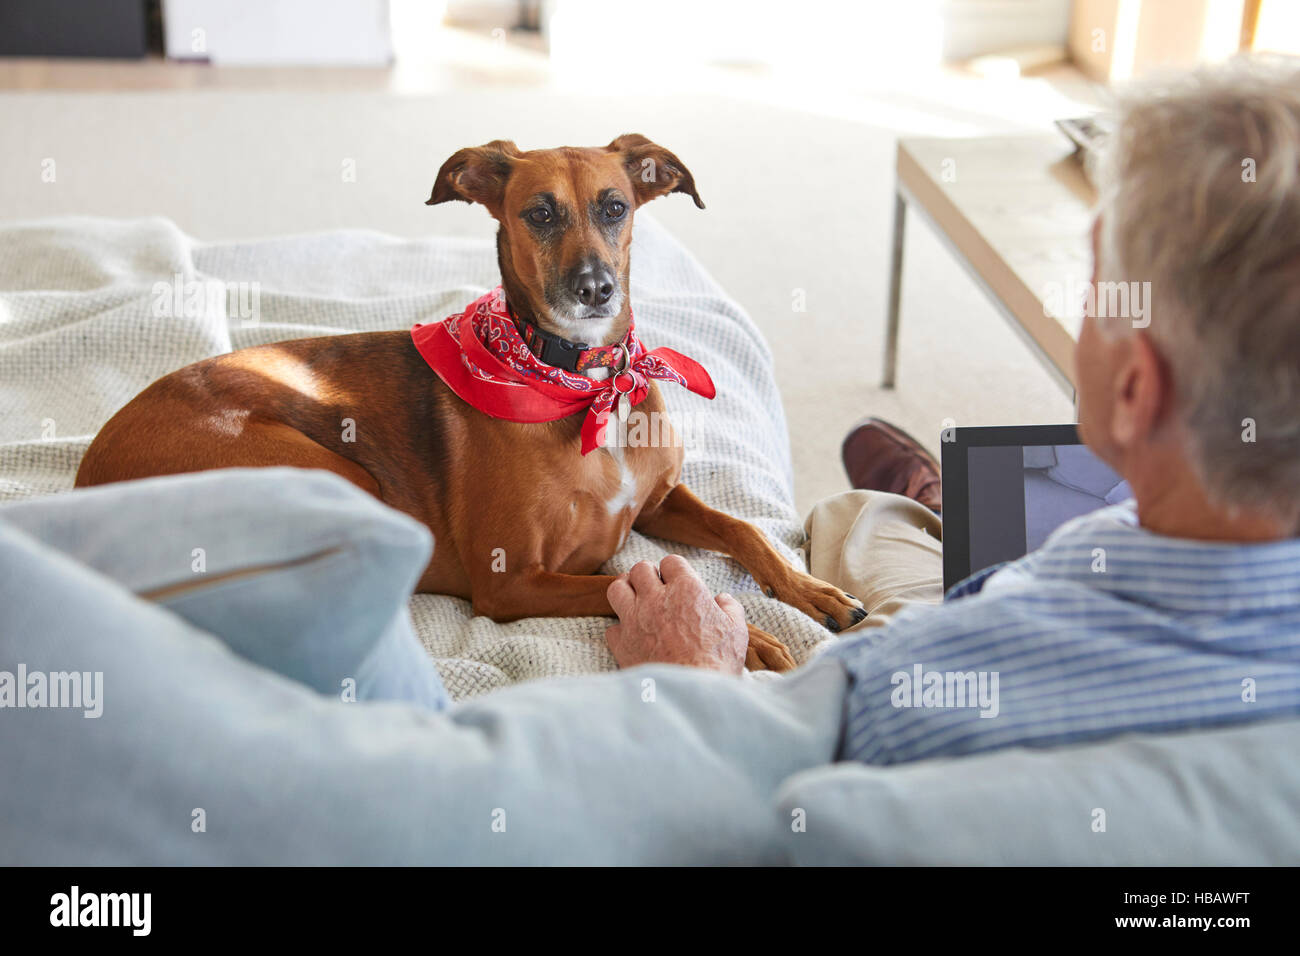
{"x": 863, "y": 35}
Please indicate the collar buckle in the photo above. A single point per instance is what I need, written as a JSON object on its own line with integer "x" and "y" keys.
{"x": 559, "y": 352}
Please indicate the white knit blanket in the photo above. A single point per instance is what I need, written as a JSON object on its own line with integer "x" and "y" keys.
{"x": 84, "y": 327}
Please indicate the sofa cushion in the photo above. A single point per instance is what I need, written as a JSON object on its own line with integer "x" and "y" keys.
{"x": 1228, "y": 797}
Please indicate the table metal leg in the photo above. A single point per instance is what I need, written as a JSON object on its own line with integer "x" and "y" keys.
{"x": 895, "y": 292}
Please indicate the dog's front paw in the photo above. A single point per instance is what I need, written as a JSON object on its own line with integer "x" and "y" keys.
{"x": 766, "y": 652}
{"x": 824, "y": 603}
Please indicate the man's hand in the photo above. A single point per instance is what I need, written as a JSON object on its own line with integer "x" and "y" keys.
{"x": 668, "y": 616}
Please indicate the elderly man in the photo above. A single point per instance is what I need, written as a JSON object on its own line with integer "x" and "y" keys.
{"x": 1193, "y": 620}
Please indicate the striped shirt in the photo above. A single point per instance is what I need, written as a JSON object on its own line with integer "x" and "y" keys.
{"x": 1105, "y": 629}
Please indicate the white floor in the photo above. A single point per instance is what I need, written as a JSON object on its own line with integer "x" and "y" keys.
{"x": 799, "y": 202}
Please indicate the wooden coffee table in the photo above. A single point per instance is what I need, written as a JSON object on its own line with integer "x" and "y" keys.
{"x": 1016, "y": 212}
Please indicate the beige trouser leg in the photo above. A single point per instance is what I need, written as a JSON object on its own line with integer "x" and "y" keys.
{"x": 883, "y": 549}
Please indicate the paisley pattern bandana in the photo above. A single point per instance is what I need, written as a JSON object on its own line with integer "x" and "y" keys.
{"x": 482, "y": 357}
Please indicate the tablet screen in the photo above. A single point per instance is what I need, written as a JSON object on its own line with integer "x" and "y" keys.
{"x": 1018, "y": 495}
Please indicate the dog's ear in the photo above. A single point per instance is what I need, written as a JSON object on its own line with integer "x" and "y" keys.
{"x": 653, "y": 170}
{"x": 476, "y": 174}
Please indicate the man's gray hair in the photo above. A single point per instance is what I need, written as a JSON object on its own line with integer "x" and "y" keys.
{"x": 1200, "y": 196}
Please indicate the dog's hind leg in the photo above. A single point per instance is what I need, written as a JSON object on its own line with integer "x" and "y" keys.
{"x": 766, "y": 652}
{"x": 549, "y": 594}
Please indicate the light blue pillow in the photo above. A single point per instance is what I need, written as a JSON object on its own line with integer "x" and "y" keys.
{"x": 296, "y": 570}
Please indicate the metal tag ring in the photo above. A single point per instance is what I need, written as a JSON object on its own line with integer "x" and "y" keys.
{"x": 625, "y": 370}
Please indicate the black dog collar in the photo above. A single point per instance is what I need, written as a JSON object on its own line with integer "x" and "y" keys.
{"x": 562, "y": 353}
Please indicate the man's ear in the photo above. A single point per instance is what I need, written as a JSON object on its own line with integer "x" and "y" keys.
{"x": 476, "y": 174}
{"x": 653, "y": 170}
{"x": 1145, "y": 393}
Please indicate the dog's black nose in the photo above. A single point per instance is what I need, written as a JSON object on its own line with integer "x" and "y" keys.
{"x": 593, "y": 286}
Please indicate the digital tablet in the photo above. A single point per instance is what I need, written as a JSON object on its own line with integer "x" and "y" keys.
{"x": 1005, "y": 489}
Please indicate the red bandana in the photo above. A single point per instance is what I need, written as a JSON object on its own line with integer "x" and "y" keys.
{"x": 484, "y": 360}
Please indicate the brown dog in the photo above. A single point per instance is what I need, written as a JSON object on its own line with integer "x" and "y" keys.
{"x": 479, "y": 483}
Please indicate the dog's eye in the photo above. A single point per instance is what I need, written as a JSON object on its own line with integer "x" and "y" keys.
{"x": 615, "y": 209}
{"x": 541, "y": 215}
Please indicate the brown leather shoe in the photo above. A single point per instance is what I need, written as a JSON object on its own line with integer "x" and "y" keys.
{"x": 879, "y": 456}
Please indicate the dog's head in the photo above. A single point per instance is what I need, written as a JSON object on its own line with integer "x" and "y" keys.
{"x": 566, "y": 224}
